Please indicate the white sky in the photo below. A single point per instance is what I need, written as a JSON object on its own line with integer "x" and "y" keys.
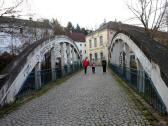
{"x": 87, "y": 13}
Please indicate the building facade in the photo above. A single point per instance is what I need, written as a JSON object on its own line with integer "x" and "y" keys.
{"x": 82, "y": 49}
{"x": 16, "y": 34}
{"x": 97, "y": 44}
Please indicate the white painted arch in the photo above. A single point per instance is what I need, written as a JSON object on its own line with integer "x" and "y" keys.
{"x": 7, "y": 95}
{"x": 150, "y": 67}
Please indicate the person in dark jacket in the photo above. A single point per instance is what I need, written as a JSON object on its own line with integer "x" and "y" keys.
{"x": 104, "y": 65}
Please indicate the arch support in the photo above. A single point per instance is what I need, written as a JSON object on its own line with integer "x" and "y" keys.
{"x": 58, "y": 45}
{"x": 137, "y": 62}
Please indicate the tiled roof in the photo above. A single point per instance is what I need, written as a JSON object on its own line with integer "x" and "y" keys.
{"x": 79, "y": 37}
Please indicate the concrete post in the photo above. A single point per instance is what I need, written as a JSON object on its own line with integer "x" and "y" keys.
{"x": 73, "y": 57}
{"x": 68, "y": 57}
{"x": 128, "y": 75}
{"x": 53, "y": 62}
{"x": 62, "y": 59}
{"x": 68, "y": 54}
{"x": 77, "y": 59}
{"x": 141, "y": 77}
{"x": 38, "y": 75}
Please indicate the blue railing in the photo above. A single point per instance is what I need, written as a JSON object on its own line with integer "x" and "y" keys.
{"x": 46, "y": 77}
{"x": 141, "y": 83}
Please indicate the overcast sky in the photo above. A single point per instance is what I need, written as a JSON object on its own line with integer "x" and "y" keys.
{"x": 87, "y": 13}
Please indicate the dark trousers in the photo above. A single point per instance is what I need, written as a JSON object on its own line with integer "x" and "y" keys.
{"x": 85, "y": 69}
{"x": 93, "y": 69}
{"x": 104, "y": 69}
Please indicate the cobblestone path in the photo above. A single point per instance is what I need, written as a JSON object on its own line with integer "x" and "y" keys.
{"x": 83, "y": 100}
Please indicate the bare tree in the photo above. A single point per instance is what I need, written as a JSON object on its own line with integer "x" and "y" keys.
{"x": 149, "y": 12}
{"x": 57, "y": 28}
{"x": 9, "y": 10}
{"x": 164, "y": 24}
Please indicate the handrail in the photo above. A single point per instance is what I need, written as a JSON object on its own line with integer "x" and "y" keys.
{"x": 149, "y": 91}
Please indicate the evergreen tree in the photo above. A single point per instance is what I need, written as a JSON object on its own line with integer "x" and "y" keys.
{"x": 78, "y": 29}
{"x": 83, "y": 30}
{"x": 70, "y": 27}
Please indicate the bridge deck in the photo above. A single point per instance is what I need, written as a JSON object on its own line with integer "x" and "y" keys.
{"x": 85, "y": 100}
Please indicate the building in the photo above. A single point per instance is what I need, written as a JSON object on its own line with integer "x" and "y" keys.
{"x": 97, "y": 43}
{"x": 16, "y": 34}
{"x": 79, "y": 39}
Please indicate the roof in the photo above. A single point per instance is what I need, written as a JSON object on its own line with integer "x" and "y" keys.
{"x": 154, "y": 50}
{"x": 23, "y": 22}
{"x": 79, "y": 37}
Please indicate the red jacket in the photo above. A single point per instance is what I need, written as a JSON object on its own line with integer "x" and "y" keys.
{"x": 85, "y": 63}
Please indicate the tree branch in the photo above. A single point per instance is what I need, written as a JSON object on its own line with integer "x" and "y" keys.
{"x": 10, "y": 10}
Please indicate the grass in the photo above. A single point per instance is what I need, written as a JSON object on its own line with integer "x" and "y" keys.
{"x": 32, "y": 95}
{"x": 149, "y": 113}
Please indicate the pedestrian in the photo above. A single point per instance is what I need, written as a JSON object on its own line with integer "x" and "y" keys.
{"x": 93, "y": 66}
{"x": 85, "y": 64}
{"x": 104, "y": 64}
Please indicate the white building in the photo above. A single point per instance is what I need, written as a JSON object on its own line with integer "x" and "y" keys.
{"x": 79, "y": 39}
{"x": 7, "y": 42}
{"x": 17, "y": 33}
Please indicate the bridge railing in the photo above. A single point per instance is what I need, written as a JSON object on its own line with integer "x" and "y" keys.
{"x": 142, "y": 84}
{"x": 46, "y": 76}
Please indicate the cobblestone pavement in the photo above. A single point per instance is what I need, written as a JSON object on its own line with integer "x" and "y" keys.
{"x": 83, "y": 100}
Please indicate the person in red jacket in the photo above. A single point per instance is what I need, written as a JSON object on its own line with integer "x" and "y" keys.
{"x": 86, "y": 64}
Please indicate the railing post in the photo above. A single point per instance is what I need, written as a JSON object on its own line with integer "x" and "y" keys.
{"x": 141, "y": 78}
{"x": 53, "y": 64}
{"x": 62, "y": 60}
{"x": 73, "y": 59}
{"x": 38, "y": 76}
{"x": 143, "y": 81}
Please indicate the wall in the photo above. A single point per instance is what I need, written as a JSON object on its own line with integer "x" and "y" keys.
{"x": 20, "y": 36}
{"x": 6, "y": 41}
{"x": 82, "y": 48}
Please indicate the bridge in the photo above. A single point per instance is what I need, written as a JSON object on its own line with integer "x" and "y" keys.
{"x": 63, "y": 52}
{"x": 139, "y": 60}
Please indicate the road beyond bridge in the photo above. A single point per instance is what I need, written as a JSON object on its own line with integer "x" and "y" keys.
{"x": 83, "y": 100}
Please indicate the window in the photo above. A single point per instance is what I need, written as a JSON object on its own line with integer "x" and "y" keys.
{"x": 90, "y": 43}
{"x": 90, "y": 57}
{"x": 95, "y": 56}
{"x": 95, "y": 42}
{"x": 101, "y": 55}
{"x": 2, "y": 41}
{"x": 101, "y": 40}
{"x": 21, "y": 31}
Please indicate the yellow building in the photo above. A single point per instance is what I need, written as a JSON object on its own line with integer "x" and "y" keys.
{"x": 97, "y": 44}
